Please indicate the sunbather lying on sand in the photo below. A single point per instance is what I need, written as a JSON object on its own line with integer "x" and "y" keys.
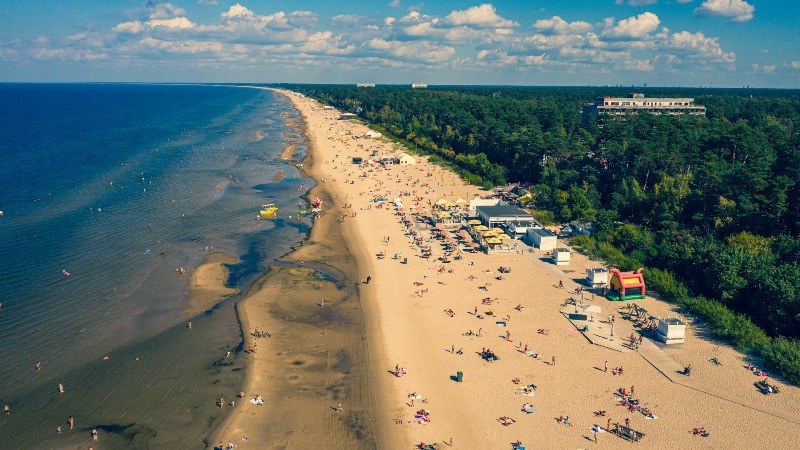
{"x": 506, "y": 421}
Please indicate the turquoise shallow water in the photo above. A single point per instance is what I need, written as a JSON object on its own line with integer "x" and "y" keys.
{"x": 119, "y": 185}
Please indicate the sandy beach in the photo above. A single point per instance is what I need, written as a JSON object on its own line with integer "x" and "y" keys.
{"x": 344, "y": 350}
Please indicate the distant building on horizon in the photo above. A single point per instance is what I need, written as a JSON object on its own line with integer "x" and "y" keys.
{"x": 636, "y": 102}
{"x": 419, "y": 86}
{"x": 365, "y": 84}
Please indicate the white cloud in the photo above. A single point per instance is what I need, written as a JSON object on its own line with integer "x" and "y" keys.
{"x": 178, "y": 23}
{"x": 633, "y": 27}
{"x": 698, "y": 46}
{"x": 190, "y": 46}
{"x": 416, "y": 26}
{"x": 763, "y": 69}
{"x": 134, "y": 27}
{"x": 416, "y": 50}
{"x": 739, "y": 10}
{"x": 394, "y": 4}
{"x": 347, "y": 19}
{"x": 164, "y": 11}
{"x": 636, "y": 2}
{"x": 792, "y": 65}
{"x": 67, "y": 54}
{"x": 558, "y": 25}
{"x": 483, "y": 16}
{"x": 208, "y": 2}
{"x": 640, "y": 65}
{"x": 645, "y": 2}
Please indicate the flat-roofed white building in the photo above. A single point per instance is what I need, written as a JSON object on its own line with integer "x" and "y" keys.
{"x": 636, "y": 102}
{"x": 494, "y": 216}
{"x": 542, "y": 238}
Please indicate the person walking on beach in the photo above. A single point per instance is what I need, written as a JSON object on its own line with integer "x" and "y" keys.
{"x": 338, "y": 408}
{"x": 605, "y": 367}
{"x": 6, "y": 410}
{"x": 553, "y": 361}
{"x": 38, "y": 366}
{"x": 71, "y": 422}
{"x": 60, "y": 388}
{"x": 94, "y": 434}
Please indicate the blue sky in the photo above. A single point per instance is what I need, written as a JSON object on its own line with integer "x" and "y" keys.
{"x": 715, "y": 43}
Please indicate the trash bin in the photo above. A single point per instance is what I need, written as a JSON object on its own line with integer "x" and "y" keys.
{"x": 405, "y": 260}
{"x": 460, "y": 377}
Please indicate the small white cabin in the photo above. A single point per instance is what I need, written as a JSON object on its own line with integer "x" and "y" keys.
{"x": 561, "y": 256}
{"x": 671, "y": 330}
{"x": 597, "y": 277}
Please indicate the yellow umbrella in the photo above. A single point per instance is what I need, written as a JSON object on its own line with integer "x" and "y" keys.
{"x": 474, "y": 222}
{"x": 493, "y": 241}
{"x": 481, "y": 228}
{"x": 503, "y": 236}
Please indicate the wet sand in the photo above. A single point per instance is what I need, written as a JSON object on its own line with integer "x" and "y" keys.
{"x": 207, "y": 283}
{"x": 317, "y": 355}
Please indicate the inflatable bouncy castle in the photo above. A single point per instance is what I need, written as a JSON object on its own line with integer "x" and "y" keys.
{"x": 626, "y": 285}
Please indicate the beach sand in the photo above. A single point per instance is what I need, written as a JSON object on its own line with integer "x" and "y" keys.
{"x": 399, "y": 319}
{"x": 207, "y": 283}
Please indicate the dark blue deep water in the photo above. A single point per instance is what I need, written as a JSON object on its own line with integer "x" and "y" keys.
{"x": 119, "y": 185}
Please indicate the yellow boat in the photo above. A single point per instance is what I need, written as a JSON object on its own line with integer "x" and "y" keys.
{"x": 268, "y": 210}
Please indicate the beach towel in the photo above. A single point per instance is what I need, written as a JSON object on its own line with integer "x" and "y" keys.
{"x": 500, "y": 323}
{"x": 256, "y": 402}
{"x": 529, "y": 410}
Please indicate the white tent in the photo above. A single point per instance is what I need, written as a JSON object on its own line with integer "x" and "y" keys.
{"x": 592, "y": 309}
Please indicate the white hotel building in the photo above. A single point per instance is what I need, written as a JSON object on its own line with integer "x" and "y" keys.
{"x": 636, "y": 102}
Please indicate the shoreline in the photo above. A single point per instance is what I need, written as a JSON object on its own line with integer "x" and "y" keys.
{"x": 287, "y": 298}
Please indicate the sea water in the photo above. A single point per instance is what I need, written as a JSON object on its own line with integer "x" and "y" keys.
{"x": 106, "y": 190}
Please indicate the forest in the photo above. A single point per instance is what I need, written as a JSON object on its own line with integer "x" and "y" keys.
{"x": 709, "y": 205}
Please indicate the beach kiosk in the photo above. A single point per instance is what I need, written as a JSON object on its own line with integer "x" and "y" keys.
{"x": 671, "y": 330}
{"x": 561, "y": 256}
{"x": 626, "y": 285}
{"x": 597, "y": 277}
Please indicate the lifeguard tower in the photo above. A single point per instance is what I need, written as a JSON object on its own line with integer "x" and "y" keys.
{"x": 597, "y": 277}
{"x": 561, "y": 256}
{"x": 671, "y": 330}
{"x": 626, "y": 285}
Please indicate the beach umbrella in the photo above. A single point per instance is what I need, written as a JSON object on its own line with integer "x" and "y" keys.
{"x": 592, "y": 309}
